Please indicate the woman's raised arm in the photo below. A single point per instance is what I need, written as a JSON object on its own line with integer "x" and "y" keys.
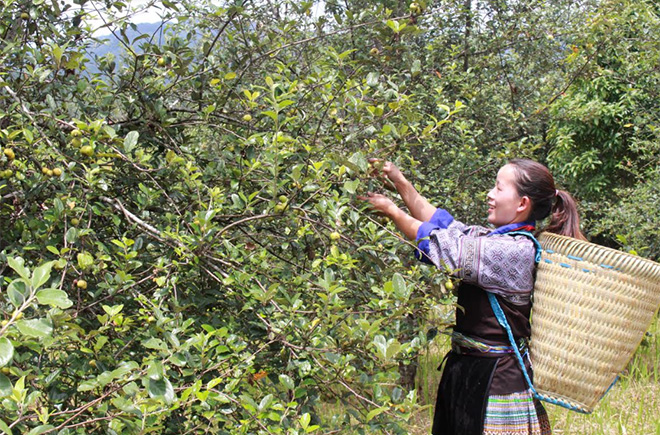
{"x": 418, "y": 206}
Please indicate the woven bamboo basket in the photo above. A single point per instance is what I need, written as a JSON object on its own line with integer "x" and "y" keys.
{"x": 592, "y": 306}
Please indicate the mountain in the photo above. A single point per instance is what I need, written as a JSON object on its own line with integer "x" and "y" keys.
{"x": 111, "y": 44}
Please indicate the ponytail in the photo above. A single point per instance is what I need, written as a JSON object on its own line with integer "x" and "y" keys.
{"x": 535, "y": 181}
{"x": 564, "y": 219}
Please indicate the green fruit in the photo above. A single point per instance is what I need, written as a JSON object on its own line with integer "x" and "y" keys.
{"x": 57, "y": 172}
{"x": 49, "y": 173}
{"x": 449, "y": 285}
{"x": 334, "y": 236}
{"x": 44, "y": 170}
{"x": 75, "y": 222}
{"x": 5, "y": 370}
{"x": 25, "y": 16}
{"x": 374, "y": 51}
{"x": 10, "y": 153}
{"x": 161, "y": 61}
{"x": 87, "y": 151}
{"x": 247, "y": 118}
{"x": 76, "y": 142}
{"x": 81, "y": 284}
{"x": 76, "y": 133}
{"x": 7, "y": 173}
{"x": 283, "y": 198}
{"x": 279, "y": 208}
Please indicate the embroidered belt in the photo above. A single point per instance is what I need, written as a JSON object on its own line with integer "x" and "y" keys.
{"x": 462, "y": 344}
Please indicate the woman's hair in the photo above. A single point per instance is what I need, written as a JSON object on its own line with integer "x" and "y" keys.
{"x": 536, "y": 182}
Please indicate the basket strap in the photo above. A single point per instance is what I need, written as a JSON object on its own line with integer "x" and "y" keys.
{"x": 501, "y": 319}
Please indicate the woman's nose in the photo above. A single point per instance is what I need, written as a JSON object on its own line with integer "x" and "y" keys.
{"x": 490, "y": 194}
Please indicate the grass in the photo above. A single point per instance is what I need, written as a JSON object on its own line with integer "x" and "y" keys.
{"x": 632, "y": 406}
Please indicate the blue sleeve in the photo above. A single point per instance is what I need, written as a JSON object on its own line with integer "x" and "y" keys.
{"x": 441, "y": 219}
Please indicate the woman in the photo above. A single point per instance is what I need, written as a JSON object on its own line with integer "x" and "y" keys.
{"x": 482, "y": 389}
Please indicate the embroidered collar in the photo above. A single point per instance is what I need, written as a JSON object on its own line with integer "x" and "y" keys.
{"x": 517, "y": 226}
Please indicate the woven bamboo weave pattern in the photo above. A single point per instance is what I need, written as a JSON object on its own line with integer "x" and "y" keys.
{"x": 592, "y": 306}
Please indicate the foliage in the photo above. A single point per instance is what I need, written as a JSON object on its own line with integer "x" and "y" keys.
{"x": 604, "y": 130}
{"x": 183, "y": 247}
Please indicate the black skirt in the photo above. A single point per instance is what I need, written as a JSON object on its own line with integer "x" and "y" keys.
{"x": 463, "y": 394}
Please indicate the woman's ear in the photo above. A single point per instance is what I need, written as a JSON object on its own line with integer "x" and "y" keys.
{"x": 525, "y": 206}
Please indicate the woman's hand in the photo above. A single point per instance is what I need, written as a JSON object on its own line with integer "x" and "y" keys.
{"x": 380, "y": 203}
{"x": 388, "y": 169}
{"x": 407, "y": 224}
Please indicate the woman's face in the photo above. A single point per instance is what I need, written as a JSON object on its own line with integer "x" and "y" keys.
{"x": 504, "y": 204}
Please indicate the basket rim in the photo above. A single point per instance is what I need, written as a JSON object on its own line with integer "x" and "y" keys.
{"x": 605, "y": 257}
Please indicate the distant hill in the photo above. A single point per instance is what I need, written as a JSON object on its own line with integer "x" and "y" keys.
{"x": 110, "y": 44}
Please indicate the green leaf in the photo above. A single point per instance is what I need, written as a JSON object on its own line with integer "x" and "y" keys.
{"x": 41, "y": 429}
{"x": 41, "y": 274}
{"x": 270, "y": 113}
{"x": 359, "y": 160}
{"x": 375, "y": 412}
{"x": 88, "y": 385}
{"x": 57, "y": 53}
{"x": 85, "y": 260}
{"x": 155, "y": 343}
{"x": 124, "y": 368}
{"x": 381, "y": 345}
{"x": 5, "y": 387}
{"x": 287, "y": 382}
{"x": 230, "y": 76}
{"x": 155, "y": 370}
{"x": 394, "y": 25}
{"x": 372, "y": 79}
{"x": 346, "y": 53}
{"x": 284, "y": 104}
{"x": 6, "y": 351}
{"x": 351, "y": 186}
{"x": 265, "y": 402}
{"x": 17, "y": 263}
{"x": 71, "y": 235}
{"x": 18, "y": 292}
{"x": 304, "y": 420}
{"x": 399, "y": 286}
{"x": 54, "y": 297}
{"x": 4, "y": 427}
{"x": 113, "y": 310}
{"x": 161, "y": 389}
{"x": 29, "y": 137}
{"x": 37, "y": 328}
{"x": 416, "y": 67}
{"x": 393, "y": 347}
{"x": 130, "y": 141}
